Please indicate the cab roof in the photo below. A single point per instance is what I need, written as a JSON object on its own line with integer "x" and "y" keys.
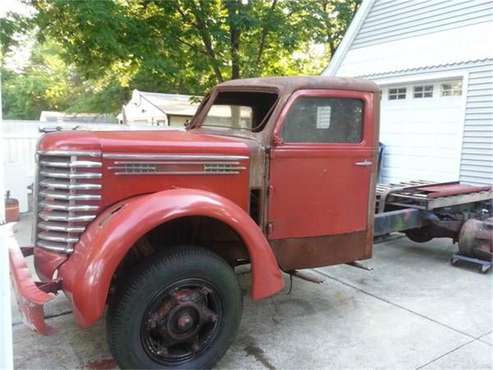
{"x": 287, "y": 85}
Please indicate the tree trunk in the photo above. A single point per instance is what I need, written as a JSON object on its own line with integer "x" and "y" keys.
{"x": 332, "y": 48}
{"x": 201, "y": 26}
{"x": 265, "y": 31}
{"x": 234, "y": 7}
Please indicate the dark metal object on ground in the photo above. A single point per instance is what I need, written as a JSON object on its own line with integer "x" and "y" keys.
{"x": 484, "y": 266}
{"x": 359, "y": 265}
{"x": 476, "y": 239}
{"x": 425, "y": 210}
{"x": 306, "y": 276}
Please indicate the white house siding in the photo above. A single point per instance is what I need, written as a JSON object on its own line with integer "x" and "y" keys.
{"x": 446, "y": 47}
{"x": 477, "y": 147}
{"x": 407, "y": 42}
{"x": 393, "y": 20}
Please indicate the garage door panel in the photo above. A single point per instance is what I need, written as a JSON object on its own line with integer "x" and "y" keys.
{"x": 422, "y": 136}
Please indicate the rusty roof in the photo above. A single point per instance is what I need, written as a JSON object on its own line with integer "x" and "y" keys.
{"x": 287, "y": 85}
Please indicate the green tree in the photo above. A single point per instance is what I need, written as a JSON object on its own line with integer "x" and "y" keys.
{"x": 49, "y": 83}
{"x": 43, "y": 84}
{"x": 10, "y": 26}
{"x": 186, "y": 43}
{"x": 107, "y": 48}
{"x": 332, "y": 20}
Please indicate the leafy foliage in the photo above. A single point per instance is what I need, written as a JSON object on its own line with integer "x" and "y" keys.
{"x": 43, "y": 84}
{"x": 10, "y": 25}
{"x": 108, "y": 48}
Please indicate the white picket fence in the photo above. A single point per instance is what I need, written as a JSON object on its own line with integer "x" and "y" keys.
{"x": 18, "y": 140}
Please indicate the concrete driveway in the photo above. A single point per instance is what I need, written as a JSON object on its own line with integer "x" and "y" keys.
{"x": 413, "y": 311}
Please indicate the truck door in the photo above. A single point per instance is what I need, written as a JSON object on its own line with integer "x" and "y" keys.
{"x": 322, "y": 171}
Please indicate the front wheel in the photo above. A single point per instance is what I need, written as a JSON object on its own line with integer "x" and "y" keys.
{"x": 180, "y": 309}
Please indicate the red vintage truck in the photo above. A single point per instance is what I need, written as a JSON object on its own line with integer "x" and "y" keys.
{"x": 148, "y": 226}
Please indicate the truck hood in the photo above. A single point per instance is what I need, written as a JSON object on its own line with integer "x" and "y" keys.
{"x": 162, "y": 142}
{"x": 135, "y": 163}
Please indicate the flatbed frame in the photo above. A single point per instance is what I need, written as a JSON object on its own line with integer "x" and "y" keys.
{"x": 411, "y": 205}
{"x": 428, "y": 195}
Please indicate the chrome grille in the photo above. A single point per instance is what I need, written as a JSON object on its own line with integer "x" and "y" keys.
{"x": 68, "y": 197}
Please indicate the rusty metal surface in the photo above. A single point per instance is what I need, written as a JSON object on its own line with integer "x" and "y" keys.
{"x": 30, "y": 298}
{"x": 299, "y": 253}
{"x": 399, "y": 220}
{"x": 383, "y": 192}
{"x": 476, "y": 239}
{"x": 287, "y": 85}
{"x": 373, "y": 182}
{"x": 460, "y": 199}
{"x": 437, "y": 191}
{"x": 417, "y": 194}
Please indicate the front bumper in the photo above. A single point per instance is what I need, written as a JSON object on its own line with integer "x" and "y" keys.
{"x": 29, "y": 294}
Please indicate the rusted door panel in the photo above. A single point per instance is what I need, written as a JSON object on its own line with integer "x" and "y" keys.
{"x": 299, "y": 253}
{"x": 320, "y": 198}
{"x": 318, "y": 191}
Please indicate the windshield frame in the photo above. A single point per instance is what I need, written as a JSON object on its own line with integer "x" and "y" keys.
{"x": 208, "y": 102}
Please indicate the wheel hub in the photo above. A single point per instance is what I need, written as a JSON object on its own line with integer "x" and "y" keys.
{"x": 183, "y": 321}
{"x": 181, "y": 324}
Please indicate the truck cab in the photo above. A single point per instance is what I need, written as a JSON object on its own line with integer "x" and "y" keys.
{"x": 311, "y": 139}
{"x": 148, "y": 226}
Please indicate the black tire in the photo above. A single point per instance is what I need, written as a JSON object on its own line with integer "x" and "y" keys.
{"x": 162, "y": 300}
{"x": 421, "y": 235}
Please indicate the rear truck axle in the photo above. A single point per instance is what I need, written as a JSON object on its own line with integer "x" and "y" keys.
{"x": 424, "y": 211}
{"x": 474, "y": 236}
{"x": 476, "y": 244}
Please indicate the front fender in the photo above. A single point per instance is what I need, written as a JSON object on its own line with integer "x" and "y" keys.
{"x": 88, "y": 272}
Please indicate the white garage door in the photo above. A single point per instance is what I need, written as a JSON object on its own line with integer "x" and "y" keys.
{"x": 421, "y": 127}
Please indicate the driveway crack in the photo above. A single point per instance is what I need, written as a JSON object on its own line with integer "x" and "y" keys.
{"x": 445, "y": 354}
{"x": 394, "y": 304}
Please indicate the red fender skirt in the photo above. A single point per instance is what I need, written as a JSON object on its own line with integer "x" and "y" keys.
{"x": 30, "y": 298}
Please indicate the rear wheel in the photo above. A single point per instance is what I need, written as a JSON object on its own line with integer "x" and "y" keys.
{"x": 181, "y": 309}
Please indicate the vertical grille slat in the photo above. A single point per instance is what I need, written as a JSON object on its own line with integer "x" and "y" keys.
{"x": 67, "y": 197}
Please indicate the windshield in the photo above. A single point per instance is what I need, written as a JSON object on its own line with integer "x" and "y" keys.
{"x": 240, "y": 110}
{"x": 230, "y": 116}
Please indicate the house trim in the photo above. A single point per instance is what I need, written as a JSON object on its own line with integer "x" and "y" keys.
{"x": 418, "y": 76}
{"x": 348, "y": 38}
{"x": 428, "y": 70}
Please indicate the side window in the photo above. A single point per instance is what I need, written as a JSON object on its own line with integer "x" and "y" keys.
{"x": 451, "y": 88}
{"x": 423, "y": 91}
{"x": 324, "y": 120}
{"x": 397, "y": 93}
